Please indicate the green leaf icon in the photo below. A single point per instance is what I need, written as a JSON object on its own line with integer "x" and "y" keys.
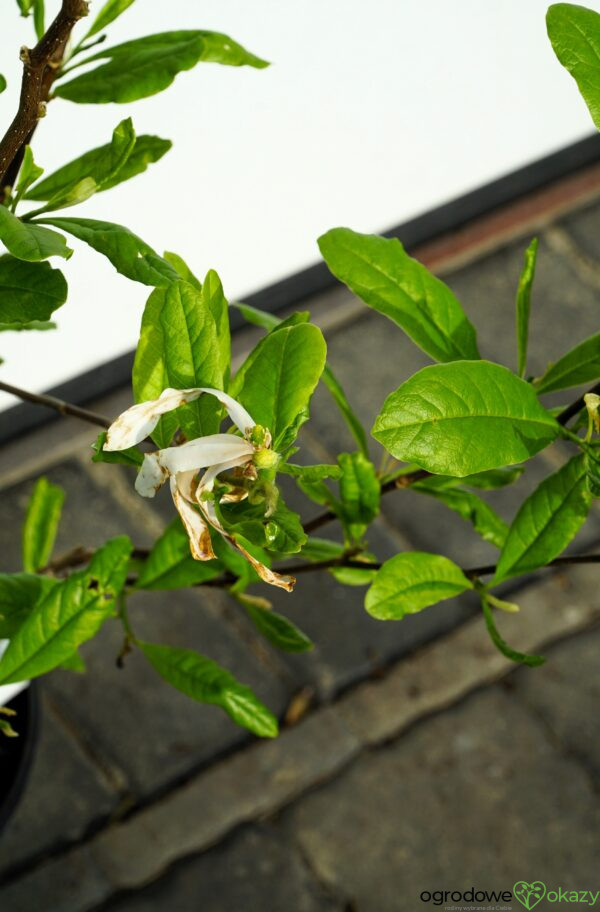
{"x": 529, "y": 894}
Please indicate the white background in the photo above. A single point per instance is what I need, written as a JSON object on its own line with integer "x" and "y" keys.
{"x": 370, "y": 114}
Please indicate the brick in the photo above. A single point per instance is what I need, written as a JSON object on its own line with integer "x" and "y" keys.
{"x": 475, "y": 797}
{"x": 255, "y": 871}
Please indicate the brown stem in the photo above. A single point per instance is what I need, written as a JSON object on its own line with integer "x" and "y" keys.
{"x": 575, "y": 407}
{"x": 65, "y": 408}
{"x": 489, "y": 569}
{"x": 40, "y": 65}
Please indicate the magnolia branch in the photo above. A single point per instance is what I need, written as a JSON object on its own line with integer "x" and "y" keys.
{"x": 40, "y": 65}
{"x": 59, "y": 405}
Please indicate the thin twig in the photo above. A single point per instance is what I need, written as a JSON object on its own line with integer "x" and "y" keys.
{"x": 489, "y": 569}
{"x": 59, "y": 405}
{"x": 575, "y": 407}
{"x": 39, "y": 68}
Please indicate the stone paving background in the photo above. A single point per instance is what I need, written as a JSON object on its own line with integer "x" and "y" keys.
{"x": 425, "y": 761}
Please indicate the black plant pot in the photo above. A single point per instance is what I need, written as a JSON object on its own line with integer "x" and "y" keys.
{"x": 16, "y": 754}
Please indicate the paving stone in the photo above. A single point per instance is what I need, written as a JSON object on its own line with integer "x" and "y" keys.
{"x": 565, "y": 694}
{"x": 254, "y": 871}
{"x": 442, "y": 672}
{"x": 68, "y": 883}
{"x": 146, "y": 728}
{"x": 66, "y": 793}
{"x": 349, "y": 643}
{"x": 475, "y": 797}
{"x": 584, "y": 228}
{"x": 564, "y": 310}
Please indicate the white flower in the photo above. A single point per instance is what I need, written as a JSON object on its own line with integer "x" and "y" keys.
{"x": 180, "y": 465}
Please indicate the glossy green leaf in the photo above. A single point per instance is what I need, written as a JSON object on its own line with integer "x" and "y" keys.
{"x": 409, "y": 582}
{"x": 130, "y": 457}
{"x": 276, "y": 382}
{"x": 74, "y": 663}
{"x": 546, "y": 522}
{"x": 205, "y": 681}
{"x": 493, "y": 479}
{"x": 145, "y": 66}
{"x": 311, "y": 473}
{"x": 580, "y": 365}
{"x": 501, "y": 645}
{"x": 25, "y": 6}
{"x": 71, "y": 613}
{"x": 41, "y": 524}
{"x": 29, "y": 291}
{"x": 128, "y": 253}
{"x": 592, "y": 471}
{"x": 72, "y": 196}
{"x": 110, "y": 11}
{"x": 179, "y": 348}
{"x": 38, "y": 18}
{"x": 359, "y": 493}
{"x": 103, "y": 164}
{"x": 28, "y": 172}
{"x": 281, "y": 531}
{"x": 33, "y": 325}
{"x": 269, "y": 322}
{"x": 473, "y": 509}
{"x": 2, "y": 83}
{"x": 523, "y": 306}
{"x": 19, "y": 593}
{"x": 170, "y": 564}
{"x": 321, "y": 549}
{"x": 28, "y": 241}
{"x": 275, "y": 628}
{"x": 182, "y": 269}
{"x": 462, "y": 418}
{"x": 214, "y": 298}
{"x": 574, "y": 32}
{"x": 354, "y": 576}
{"x": 108, "y": 567}
{"x": 382, "y": 274}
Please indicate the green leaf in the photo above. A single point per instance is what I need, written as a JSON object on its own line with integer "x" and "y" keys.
{"x": 28, "y": 241}
{"x": 72, "y": 612}
{"x": 128, "y": 253}
{"x": 182, "y": 269}
{"x": 574, "y": 33}
{"x": 476, "y": 511}
{"x": 214, "y": 298}
{"x": 110, "y": 563}
{"x": 29, "y": 291}
{"x": 580, "y": 365}
{"x": 130, "y": 457}
{"x": 493, "y": 479}
{"x": 321, "y": 549}
{"x": 19, "y": 593}
{"x": 523, "y": 305}
{"x": 278, "y": 378}
{"x": 532, "y": 660}
{"x": 275, "y": 628}
{"x": 145, "y": 66}
{"x": 170, "y": 564}
{"x": 359, "y": 493}
{"x": 409, "y": 582}
{"x": 354, "y": 576}
{"x": 38, "y": 18}
{"x": 311, "y": 473}
{"x": 39, "y": 325}
{"x": 462, "y": 418}
{"x": 382, "y": 274}
{"x": 41, "y": 524}
{"x": 98, "y": 163}
{"x": 73, "y": 663}
{"x": 25, "y": 6}
{"x": 270, "y": 322}
{"x": 179, "y": 348}
{"x": 28, "y": 173}
{"x": 546, "y": 521}
{"x": 203, "y": 680}
{"x": 2, "y": 83}
{"x": 111, "y": 10}
{"x": 281, "y": 531}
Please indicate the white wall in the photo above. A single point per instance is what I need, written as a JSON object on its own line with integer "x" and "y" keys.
{"x": 371, "y": 113}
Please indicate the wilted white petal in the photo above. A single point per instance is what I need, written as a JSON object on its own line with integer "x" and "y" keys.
{"x": 236, "y": 412}
{"x": 140, "y": 420}
{"x": 265, "y": 573}
{"x": 151, "y": 476}
{"x": 206, "y": 451}
{"x": 193, "y": 521}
